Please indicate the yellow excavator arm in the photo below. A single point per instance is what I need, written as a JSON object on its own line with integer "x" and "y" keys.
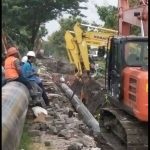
{"x": 73, "y": 51}
{"x": 77, "y": 45}
{"x": 93, "y": 38}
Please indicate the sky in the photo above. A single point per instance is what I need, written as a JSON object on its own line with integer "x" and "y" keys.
{"x": 91, "y": 14}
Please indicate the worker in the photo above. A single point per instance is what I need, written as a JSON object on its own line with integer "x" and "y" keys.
{"x": 3, "y": 73}
{"x": 13, "y": 70}
{"x": 92, "y": 67}
{"x": 23, "y": 61}
{"x": 28, "y": 74}
{"x": 96, "y": 67}
{"x": 40, "y": 84}
{"x": 38, "y": 81}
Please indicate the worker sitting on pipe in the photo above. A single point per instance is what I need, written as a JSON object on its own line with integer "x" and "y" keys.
{"x": 13, "y": 70}
{"x": 3, "y": 73}
{"x": 38, "y": 81}
{"x": 28, "y": 74}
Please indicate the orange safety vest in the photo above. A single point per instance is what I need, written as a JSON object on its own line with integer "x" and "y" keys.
{"x": 10, "y": 68}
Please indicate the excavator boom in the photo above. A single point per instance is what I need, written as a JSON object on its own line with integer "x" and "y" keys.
{"x": 77, "y": 45}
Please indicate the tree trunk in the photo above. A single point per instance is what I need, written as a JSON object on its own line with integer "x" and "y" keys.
{"x": 34, "y": 34}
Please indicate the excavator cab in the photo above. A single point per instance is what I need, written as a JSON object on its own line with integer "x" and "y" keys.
{"x": 128, "y": 57}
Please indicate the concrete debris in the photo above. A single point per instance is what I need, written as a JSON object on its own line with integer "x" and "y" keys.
{"x": 54, "y": 95}
{"x": 75, "y": 146}
{"x": 52, "y": 130}
{"x": 62, "y": 117}
{"x": 34, "y": 132}
{"x": 48, "y": 143}
{"x": 69, "y": 120}
{"x": 36, "y": 139}
{"x": 49, "y": 118}
{"x": 83, "y": 141}
{"x": 57, "y": 106}
{"x": 65, "y": 133}
{"x": 58, "y": 122}
{"x": 59, "y": 127}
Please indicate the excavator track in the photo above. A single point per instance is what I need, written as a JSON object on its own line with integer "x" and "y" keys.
{"x": 123, "y": 131}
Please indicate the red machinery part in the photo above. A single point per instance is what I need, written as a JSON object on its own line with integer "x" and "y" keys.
{"x": 127, "y": 16}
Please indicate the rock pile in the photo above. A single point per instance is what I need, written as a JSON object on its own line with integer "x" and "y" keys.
{"x": 61, "y": 131}
{"x": 62, "y": 128}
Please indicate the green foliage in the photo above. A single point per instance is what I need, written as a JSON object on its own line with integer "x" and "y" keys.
{"x": 57, "y": 44}
{"x": 108, "y": 14}
{"x": 22, "y": 19}
{"x": 25, "y": 142}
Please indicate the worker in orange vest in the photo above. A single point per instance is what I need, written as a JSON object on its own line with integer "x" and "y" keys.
{"x": 13, "y": 70}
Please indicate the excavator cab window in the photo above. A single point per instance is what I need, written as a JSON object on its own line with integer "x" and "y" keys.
{"x": 114, "y": 68}
{"x": 136, "y": 53}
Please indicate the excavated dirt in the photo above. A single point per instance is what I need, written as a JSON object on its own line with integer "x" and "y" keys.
{"x": 95, "y": 93}
{"x": 56, "y": 66}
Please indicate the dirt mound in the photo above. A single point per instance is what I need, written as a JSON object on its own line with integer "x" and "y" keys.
{"x": 56, "y": 66}
{"x": 95, "y": 94}
{"x": 76, "y": 87}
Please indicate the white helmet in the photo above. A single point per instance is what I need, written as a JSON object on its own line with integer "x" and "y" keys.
{"x": 24, "y": 59}
{"x": 31, "y": 53}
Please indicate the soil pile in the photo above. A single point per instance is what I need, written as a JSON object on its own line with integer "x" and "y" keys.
{"x": 57, "y": 66}
{"x": 95, "y": 94}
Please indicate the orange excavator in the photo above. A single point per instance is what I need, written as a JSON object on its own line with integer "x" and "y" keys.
{"x": 127, "y": 81}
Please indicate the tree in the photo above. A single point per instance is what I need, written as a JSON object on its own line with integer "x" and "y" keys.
{"x": 108, "y": 14}
{"x": 57, "y": 44}
{"x": 22, "y": 19}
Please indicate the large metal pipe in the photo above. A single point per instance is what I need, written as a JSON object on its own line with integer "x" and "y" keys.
{"x": 15, "y": 99}
{"x": 87, "y": 117}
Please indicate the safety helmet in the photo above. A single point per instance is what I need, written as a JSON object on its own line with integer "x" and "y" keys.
{"x": 11, "y": 51}
{"x": 24, "y": 59}
{"x": 31, "y": 53}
